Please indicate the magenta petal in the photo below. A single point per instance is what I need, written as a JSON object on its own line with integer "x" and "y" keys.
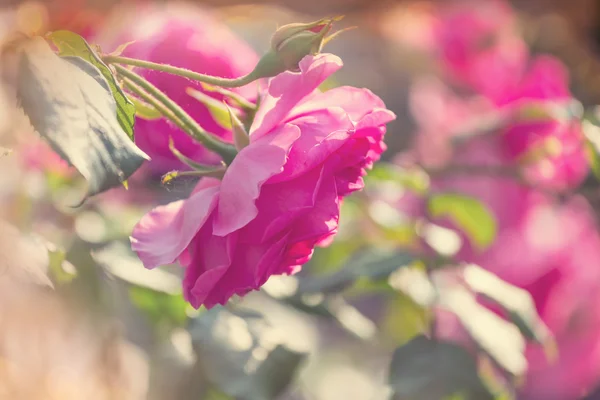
{"x": 282, "y": 204}
{"x": 164, "y": 233}
{"x": 211, "y": 256}
{"x": 249, "y": 170}
{"x": 289, "y": 88}
{"x": 239, "y": 278}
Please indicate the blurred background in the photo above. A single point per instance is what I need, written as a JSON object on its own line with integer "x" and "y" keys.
{"x": 82, "y": 319}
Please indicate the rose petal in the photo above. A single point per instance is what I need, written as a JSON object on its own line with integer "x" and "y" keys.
{"x": 164, "y": 233}
{"x": 247, "y": 173}
{"x": 289, "y": 88}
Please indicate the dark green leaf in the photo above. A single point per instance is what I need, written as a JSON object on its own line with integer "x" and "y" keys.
{"x": 425, "y": 369}
{"x": 71, "y": 44}
{"x": 69, "y": 103}
{"x": 469, "y": 214}
{"x": 372, "y": 264}
{"x": 234, "y": 356}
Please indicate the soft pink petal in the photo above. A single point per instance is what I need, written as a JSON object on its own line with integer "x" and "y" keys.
{"x": 164, "y": 233}
{"x": 356, "y": 102}
{"x": 286, "y": 90}
{"x": 241, "y": 184}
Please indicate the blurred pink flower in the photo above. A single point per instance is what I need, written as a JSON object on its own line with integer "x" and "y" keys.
{"x": 522, "y": 110}
{"x": 36, "y": 155}
{"x": 281, "y": 195}
{"x": 188, "y": 37}
{"x": 479, "y": 45}
{"x": 566, "y": 297}
{"x": 530, "y": 126}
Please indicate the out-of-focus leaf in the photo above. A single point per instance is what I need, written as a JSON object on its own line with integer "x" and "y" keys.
{"x": 415, "y": 284}
{"x": 23, "y": 258}
{"x": 592, "y": 146}
{"x": 121, "y": 262}
{"x": 160, "y": 307}
{"x": 216, "y": 108}
{"x": 4, "y": 151}
{"x": 331, "y": 306}
{"x": 242, "y": 356}
{"x": 517, "y": 302}
{"x": 403, "y": 319}
{"x": 71, "y": 44}
{"x": 413, "y": 179}
{"x": 61, "y": 270}
{"x": 373, "y": 264}
{"x": 69, "y": 103}
{"x": 144, "y": 110}
{"x": 428, "y": 369}
{"x": 498, "y": 338}
{"x": 468, "y": 213}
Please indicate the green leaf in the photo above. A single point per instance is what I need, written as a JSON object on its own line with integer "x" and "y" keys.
{"x": 120, "y": 261}
{"x": 430, "y": 369}
{"x": 373, "y": 264}
{"x": 70, "y": 104}
{"x": 592, "y": 146}
{"x": 144, "y": 110}
{"x": 469, "y": 214}
{"x": 217, "y": 109}
{"x": 444, "y": 289}
{"x": 160, "y": 308}
{"x": 228, "y": 347}
{"x": 517, "y": 303}
{"x": 413, "y": 179}
{"x": 71, "y": 44}
{"x": 61, "y": 270}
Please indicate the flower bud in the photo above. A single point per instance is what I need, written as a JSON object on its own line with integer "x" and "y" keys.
{"x": 291, "y": 43}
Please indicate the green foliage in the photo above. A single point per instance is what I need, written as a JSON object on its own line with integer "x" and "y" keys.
{"x": 373, "y": 264}
{"x": 236, "y": 356}
{"x": 144, "y": 110}
{"x": 71, "y": 44}
{"x": 469, "y": 214}
{"x": 70, "y": 104}
{"x": 426, "y": 369}
{"x": 162, "y": 309}
{"x": 217, "y": 109}
{"x": 516, "y": 302}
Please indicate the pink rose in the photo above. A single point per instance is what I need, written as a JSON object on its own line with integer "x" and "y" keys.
{"x": 183, "y": 36}
{"x": 566, "y": 298}
{"x": 281, "y": 195}
{"x": 551, "y": 149}
{"x": 479, "y": 45}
